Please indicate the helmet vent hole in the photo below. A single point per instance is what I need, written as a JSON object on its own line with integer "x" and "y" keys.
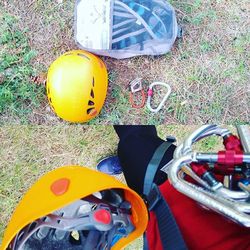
{"x": 91, "y": 103}
{"x": 53, "y": 108}
{"x": 32, "y": 226}
{"x": 20, "y": 236}
{"x": 89, "y": 110}
{"x": 83, "y": 56}
{"x": 92, "y": 93}
{"x": 48, "y": 90}
{"x": 93, "y": 82}
{"x": 50, "y": 101}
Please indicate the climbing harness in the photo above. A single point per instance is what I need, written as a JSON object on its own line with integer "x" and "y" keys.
{"x": 125, "y": 28}
{"x": 170, "y": 234}
{"x": 150, "y": 94}
{"x": 229, "y": 197}
{"x": 135, "y": 87}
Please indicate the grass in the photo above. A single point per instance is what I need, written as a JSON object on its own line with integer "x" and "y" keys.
{"x": 28, "y": 152}
{"x": 18, "y": 96}
{"x": 208, "y": 69}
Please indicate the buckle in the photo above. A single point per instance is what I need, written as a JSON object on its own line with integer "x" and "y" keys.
{"x": 171, "y": 138}
{"x": 136, "y": 85}
{"x": 153, "y": 197}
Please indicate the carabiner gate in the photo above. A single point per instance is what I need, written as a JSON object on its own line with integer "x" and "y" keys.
{"x": 150, "y": 94}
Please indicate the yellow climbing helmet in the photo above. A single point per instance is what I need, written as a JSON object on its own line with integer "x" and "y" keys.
{"x": 77, "y": 86}
{"x": 76, "y": 208}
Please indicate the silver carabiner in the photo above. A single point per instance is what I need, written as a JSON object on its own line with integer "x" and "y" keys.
{"x": 150, "y": 94}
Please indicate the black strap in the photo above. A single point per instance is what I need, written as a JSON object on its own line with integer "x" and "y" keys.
{"x": 145, "y": 242}
{"x": 170, "y": 233}
{"x": 153, "y": 166}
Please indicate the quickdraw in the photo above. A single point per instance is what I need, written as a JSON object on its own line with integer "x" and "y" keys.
{"x": 150, "y": 94}
{"x": 136, "y": 86}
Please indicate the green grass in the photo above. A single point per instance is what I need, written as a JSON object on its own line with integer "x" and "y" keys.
{"x": 18, "y": 95}
{"x": 208, "y": 69}
{"x": 28, "y": 152}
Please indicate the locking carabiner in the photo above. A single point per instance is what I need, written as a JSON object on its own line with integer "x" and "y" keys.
{"x": 150, "y": 94}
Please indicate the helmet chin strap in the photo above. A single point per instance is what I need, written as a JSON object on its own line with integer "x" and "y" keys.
{"x": 101, "y": 223}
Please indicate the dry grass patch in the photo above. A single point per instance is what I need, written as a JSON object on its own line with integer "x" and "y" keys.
{"x": 28, "y": 152}
{"x": 208, "y": 69}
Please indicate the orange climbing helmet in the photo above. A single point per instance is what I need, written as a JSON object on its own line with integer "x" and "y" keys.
{"x": 76, "y": 208}
{"x": 77, "y": 86}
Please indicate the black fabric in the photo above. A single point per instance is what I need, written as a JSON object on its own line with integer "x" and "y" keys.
{"x": 170, "y": 233}
{"x": 135, "y": 149}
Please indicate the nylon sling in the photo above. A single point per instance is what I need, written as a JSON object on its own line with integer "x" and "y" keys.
{"x": 170, "y": 233}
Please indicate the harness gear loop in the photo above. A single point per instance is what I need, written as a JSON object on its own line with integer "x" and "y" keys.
{"x": 136, "y": 86}
{"x": 150, "y": 94}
